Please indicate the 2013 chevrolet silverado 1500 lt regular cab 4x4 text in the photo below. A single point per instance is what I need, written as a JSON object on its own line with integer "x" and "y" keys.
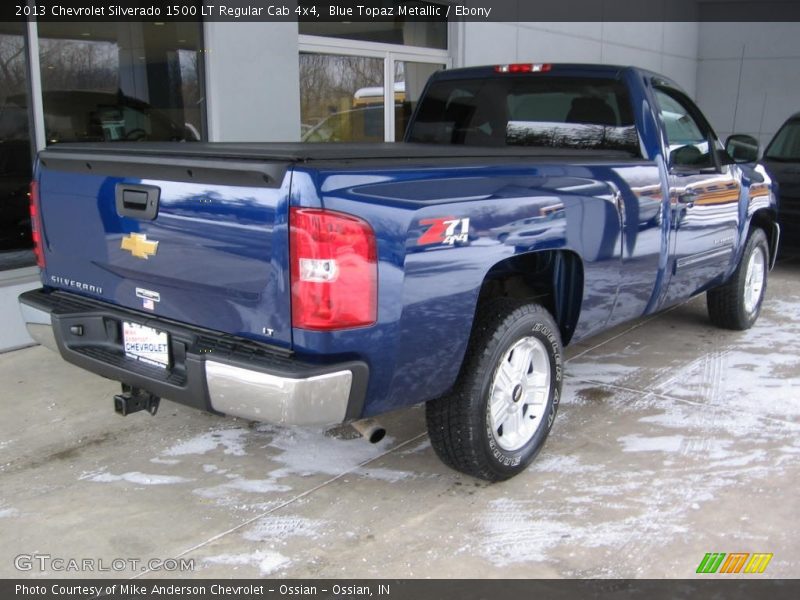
{"x": 530, "y": 206}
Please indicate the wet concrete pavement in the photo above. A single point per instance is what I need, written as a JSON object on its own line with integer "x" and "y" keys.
{"x": 673, "y": 439}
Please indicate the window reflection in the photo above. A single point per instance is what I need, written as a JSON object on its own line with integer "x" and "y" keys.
{"x": 341, "y": 98}
{"x": 410, "y": 78}
{"x": 121, "y": 81}
{"x": 688, "y": 141}
{"x": 552, "y": 112}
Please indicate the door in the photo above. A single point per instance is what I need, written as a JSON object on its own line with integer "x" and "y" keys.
{"x": 704, "y": 197}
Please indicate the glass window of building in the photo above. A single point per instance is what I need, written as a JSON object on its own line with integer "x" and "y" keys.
{"x": 15, "y": 150}
{"x": 121, "y": 81}
{"x": 341, "y": 98}
{"x": 359, "y": 82}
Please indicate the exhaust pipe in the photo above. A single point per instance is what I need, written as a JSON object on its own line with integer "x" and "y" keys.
{"x": 370, "y": 430}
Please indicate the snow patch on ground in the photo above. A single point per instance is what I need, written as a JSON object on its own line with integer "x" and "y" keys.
{"x": 300, "y": 451}
{"x": 562, "y": 463}
{"x": 663, "y": 443}
{"x": 225, "y": 492}
{"x": 606, "y": 372}
{"x": 721, "y": 422}
{"x": 278, "y": 528}
{"x": 7, "y": 512}
{"x": 307, "y": 452}
{"x": 165, "y": 461}
{"x": 232, "y": 441}
{"x": 267, "y": 561}
{"x": 739, "y": 380}
{"x": 621, "y": 504}
{"x": 214, "y": 469}
{"x": 516, "y": 531}
{"x": 134, "y": 477}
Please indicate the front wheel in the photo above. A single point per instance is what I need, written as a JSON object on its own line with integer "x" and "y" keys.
{"x": 498, "y": 416}
{"x": 737, "y": 303}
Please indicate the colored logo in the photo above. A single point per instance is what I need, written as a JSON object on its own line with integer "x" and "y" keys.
{"x": 138, "y": 245}
{"x": 149, "y": 298}
{"x": 736, "y": 562}
{"x": 447, "y": 231}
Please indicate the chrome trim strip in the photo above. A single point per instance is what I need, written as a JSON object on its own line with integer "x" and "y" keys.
{"x": 694, "y": 259}
{"x": 318, "y": 400}
{"x": 775, "y": 241}
{"x": 39, "y": 325}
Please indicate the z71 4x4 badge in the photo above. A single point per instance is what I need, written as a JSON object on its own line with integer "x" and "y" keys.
{"x": 447, "y": 231}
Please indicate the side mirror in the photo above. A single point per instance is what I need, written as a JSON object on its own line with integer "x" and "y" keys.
{"x": 742, "y": 148}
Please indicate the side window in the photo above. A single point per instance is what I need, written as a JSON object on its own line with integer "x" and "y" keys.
{"x": 688, "y": 138}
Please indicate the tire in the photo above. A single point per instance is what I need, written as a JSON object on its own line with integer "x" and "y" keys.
{"x": 737, "y": 304}
{"x": 515, "y": 359}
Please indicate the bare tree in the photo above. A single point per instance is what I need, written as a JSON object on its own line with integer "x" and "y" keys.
{"x": 79, "y": 65}
{"x": 12, "y": 65}
{"x": 328, "y": 82}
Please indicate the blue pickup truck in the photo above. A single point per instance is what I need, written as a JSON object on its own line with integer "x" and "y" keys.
{"x": 530, "y": 206}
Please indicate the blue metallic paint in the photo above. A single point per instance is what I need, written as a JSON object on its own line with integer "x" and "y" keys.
{"x": 428, "y": 294}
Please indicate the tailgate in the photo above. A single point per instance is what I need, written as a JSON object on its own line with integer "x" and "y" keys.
{"x": 197, "y": 240}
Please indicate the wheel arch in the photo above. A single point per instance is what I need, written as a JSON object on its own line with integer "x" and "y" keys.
{"x": 767, "y": 220}
{"x": 554, "y": 278}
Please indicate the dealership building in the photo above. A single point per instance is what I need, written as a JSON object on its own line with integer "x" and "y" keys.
{"x": 323, "y": 82}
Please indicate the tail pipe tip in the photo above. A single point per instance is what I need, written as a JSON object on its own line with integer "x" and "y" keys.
{"x": 370, "y": 430}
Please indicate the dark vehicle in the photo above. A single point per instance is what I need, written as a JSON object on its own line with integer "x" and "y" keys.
{"x": 15, "y": 172}
{"x": 325, "y": 283}
{"x": 782, "y": 161}
{"x": 15, "y": 175}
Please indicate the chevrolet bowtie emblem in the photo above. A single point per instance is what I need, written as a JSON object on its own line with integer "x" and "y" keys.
{"x": 138, "y": 245}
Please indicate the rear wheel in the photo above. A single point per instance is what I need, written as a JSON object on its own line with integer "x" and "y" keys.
{"x": 737, "y": 303}
{"x": 498, "y": 416}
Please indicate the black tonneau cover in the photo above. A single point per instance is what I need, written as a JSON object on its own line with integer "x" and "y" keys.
{"x": 308, "y": 152}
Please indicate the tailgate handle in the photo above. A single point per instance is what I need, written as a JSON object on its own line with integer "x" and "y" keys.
{"x": 137, "y": 201}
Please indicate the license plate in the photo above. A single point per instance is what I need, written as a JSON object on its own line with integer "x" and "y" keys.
{"x": 146, "y": 344}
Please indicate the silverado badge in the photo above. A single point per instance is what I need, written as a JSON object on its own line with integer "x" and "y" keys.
{"x": 138, "y": 245}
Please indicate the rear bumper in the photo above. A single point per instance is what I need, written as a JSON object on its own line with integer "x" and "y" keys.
{"x": 208, "y": 370}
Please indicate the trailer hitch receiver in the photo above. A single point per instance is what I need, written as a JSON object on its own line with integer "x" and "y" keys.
{"x": 133, "y": 399}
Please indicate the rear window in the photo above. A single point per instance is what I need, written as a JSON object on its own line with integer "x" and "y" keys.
{"x": 551, "y": 112}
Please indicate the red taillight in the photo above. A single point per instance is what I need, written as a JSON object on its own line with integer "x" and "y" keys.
{"x": 334, "y": 270}
{"x": 36, "y": 224}
{"x": 523, "y": 68}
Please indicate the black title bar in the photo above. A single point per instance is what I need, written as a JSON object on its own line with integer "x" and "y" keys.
{"x": 393, "y": 10}
{"x": 732, "y": 588}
